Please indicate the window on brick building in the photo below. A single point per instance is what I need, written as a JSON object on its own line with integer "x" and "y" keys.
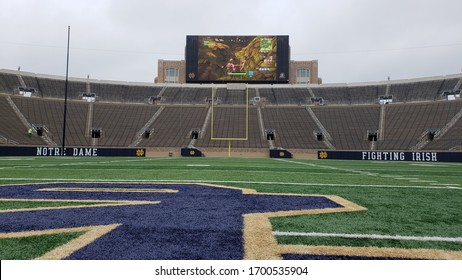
{"x": 171, "y": 76}
{"x": 303, "y": 76}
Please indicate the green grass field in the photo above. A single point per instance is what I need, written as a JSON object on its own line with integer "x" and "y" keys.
{"x": 407, "y": 199}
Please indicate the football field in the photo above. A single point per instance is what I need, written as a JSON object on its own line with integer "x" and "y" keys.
{"x": 384, "y": 209}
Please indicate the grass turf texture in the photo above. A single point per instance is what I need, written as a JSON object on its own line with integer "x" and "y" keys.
{"x": 26, "y": 248}
{"x": 403, "y": 198}
{"x": 11, "y": 205}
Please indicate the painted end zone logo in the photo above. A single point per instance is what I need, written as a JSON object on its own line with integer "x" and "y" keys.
{"x": 157, "y": 221}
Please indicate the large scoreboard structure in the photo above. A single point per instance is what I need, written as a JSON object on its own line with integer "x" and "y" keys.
{"x": 241, "y": 59}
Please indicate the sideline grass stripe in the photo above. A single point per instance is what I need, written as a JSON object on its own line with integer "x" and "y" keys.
{"x": 371, "y": 236}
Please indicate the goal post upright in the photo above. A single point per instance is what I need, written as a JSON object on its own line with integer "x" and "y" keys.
{"x": 229, "y": 139}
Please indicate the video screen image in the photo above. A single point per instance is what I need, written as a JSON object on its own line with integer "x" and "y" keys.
{"x": 234, "y": 58}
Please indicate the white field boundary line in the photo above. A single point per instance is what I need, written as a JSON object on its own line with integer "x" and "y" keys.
{"x": 79, "y": 163}
{"x": 423, "y": 181}
{"x": 411, "y": 180}
{"x": 221, "y": 182}
{"x": 371, "y": 236}
{"x": 16, "y": 159}
{"x": 331, "y": 167}
{"x": 207, "y": 170}
{"x": 219, "y": 170}
{"x": 199, "y": 168}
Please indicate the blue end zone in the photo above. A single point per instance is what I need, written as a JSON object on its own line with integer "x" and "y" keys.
{"x": 198, "y": 222}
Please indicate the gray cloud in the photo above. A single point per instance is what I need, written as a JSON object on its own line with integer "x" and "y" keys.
{"x": 354, "y": 40}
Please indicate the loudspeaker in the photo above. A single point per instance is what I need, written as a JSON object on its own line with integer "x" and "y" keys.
{"x": 430, "y": 136}
{"x": 146, "y": 133}
{"x": 270, "y": 135}
{"x": 39, "y": 130}
{"x": 372, "y": 136}
{"x": 195, "y": 134}
{"x": 96, "y": 133}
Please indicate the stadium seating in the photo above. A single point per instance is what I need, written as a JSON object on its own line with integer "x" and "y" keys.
{"x": 49, "y": 113}
{"x": 348, "y": 125}
{"x": 173, "y": 126}
{"x": 12, "y": 130}
{"x": 52, "y": 88}
{"x": 333, "y": 95}
{"x": 294, "y": 128}
{"x": 120, "y": 122}
{"x": 8, "y": 83}
{"x": 418, "y": 91}
{"x": 288, "y": 113}
{"x": 180, "y": 95}
{"x": 233, "y": 97}
{"x": 451, "y": 141}
{"x": 407, "y": 123}
{"x": 285, "y": 96}
{"x": 366, "y": 94}
{"x": 229, "y": 122}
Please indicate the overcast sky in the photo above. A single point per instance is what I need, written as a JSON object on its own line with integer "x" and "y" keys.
{"x": 353, "y": 40}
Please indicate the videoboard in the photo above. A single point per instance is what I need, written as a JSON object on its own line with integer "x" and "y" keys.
{"x": 225, "y": 59}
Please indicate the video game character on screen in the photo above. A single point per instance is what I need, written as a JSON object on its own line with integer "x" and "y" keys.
{"x": 232, "y": 67}
{"x": 223, "y": 58}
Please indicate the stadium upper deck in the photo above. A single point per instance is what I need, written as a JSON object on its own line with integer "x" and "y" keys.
{"x": 48, "y": 86}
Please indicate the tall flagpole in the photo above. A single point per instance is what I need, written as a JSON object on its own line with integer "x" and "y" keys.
{"x": 65, "y": 92}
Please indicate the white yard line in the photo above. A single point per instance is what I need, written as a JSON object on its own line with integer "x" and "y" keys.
{"x": 396, "y": 177}
{"x": 446, "y": 185}
{"x": 331, "y": 167}
{"x": 352, "y": 172}
{"x": 429, "y": 165}
{"x": 15, "y": 159}
{"x": 225, "y": 182}
{"x": 80, "y": 163}
{"x": 423, "y": 181}
{"x": 371, "y": 236}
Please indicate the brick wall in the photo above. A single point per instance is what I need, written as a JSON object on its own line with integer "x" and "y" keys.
{"x": 311, "y": 65}
{"x": 163, "y": 65}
